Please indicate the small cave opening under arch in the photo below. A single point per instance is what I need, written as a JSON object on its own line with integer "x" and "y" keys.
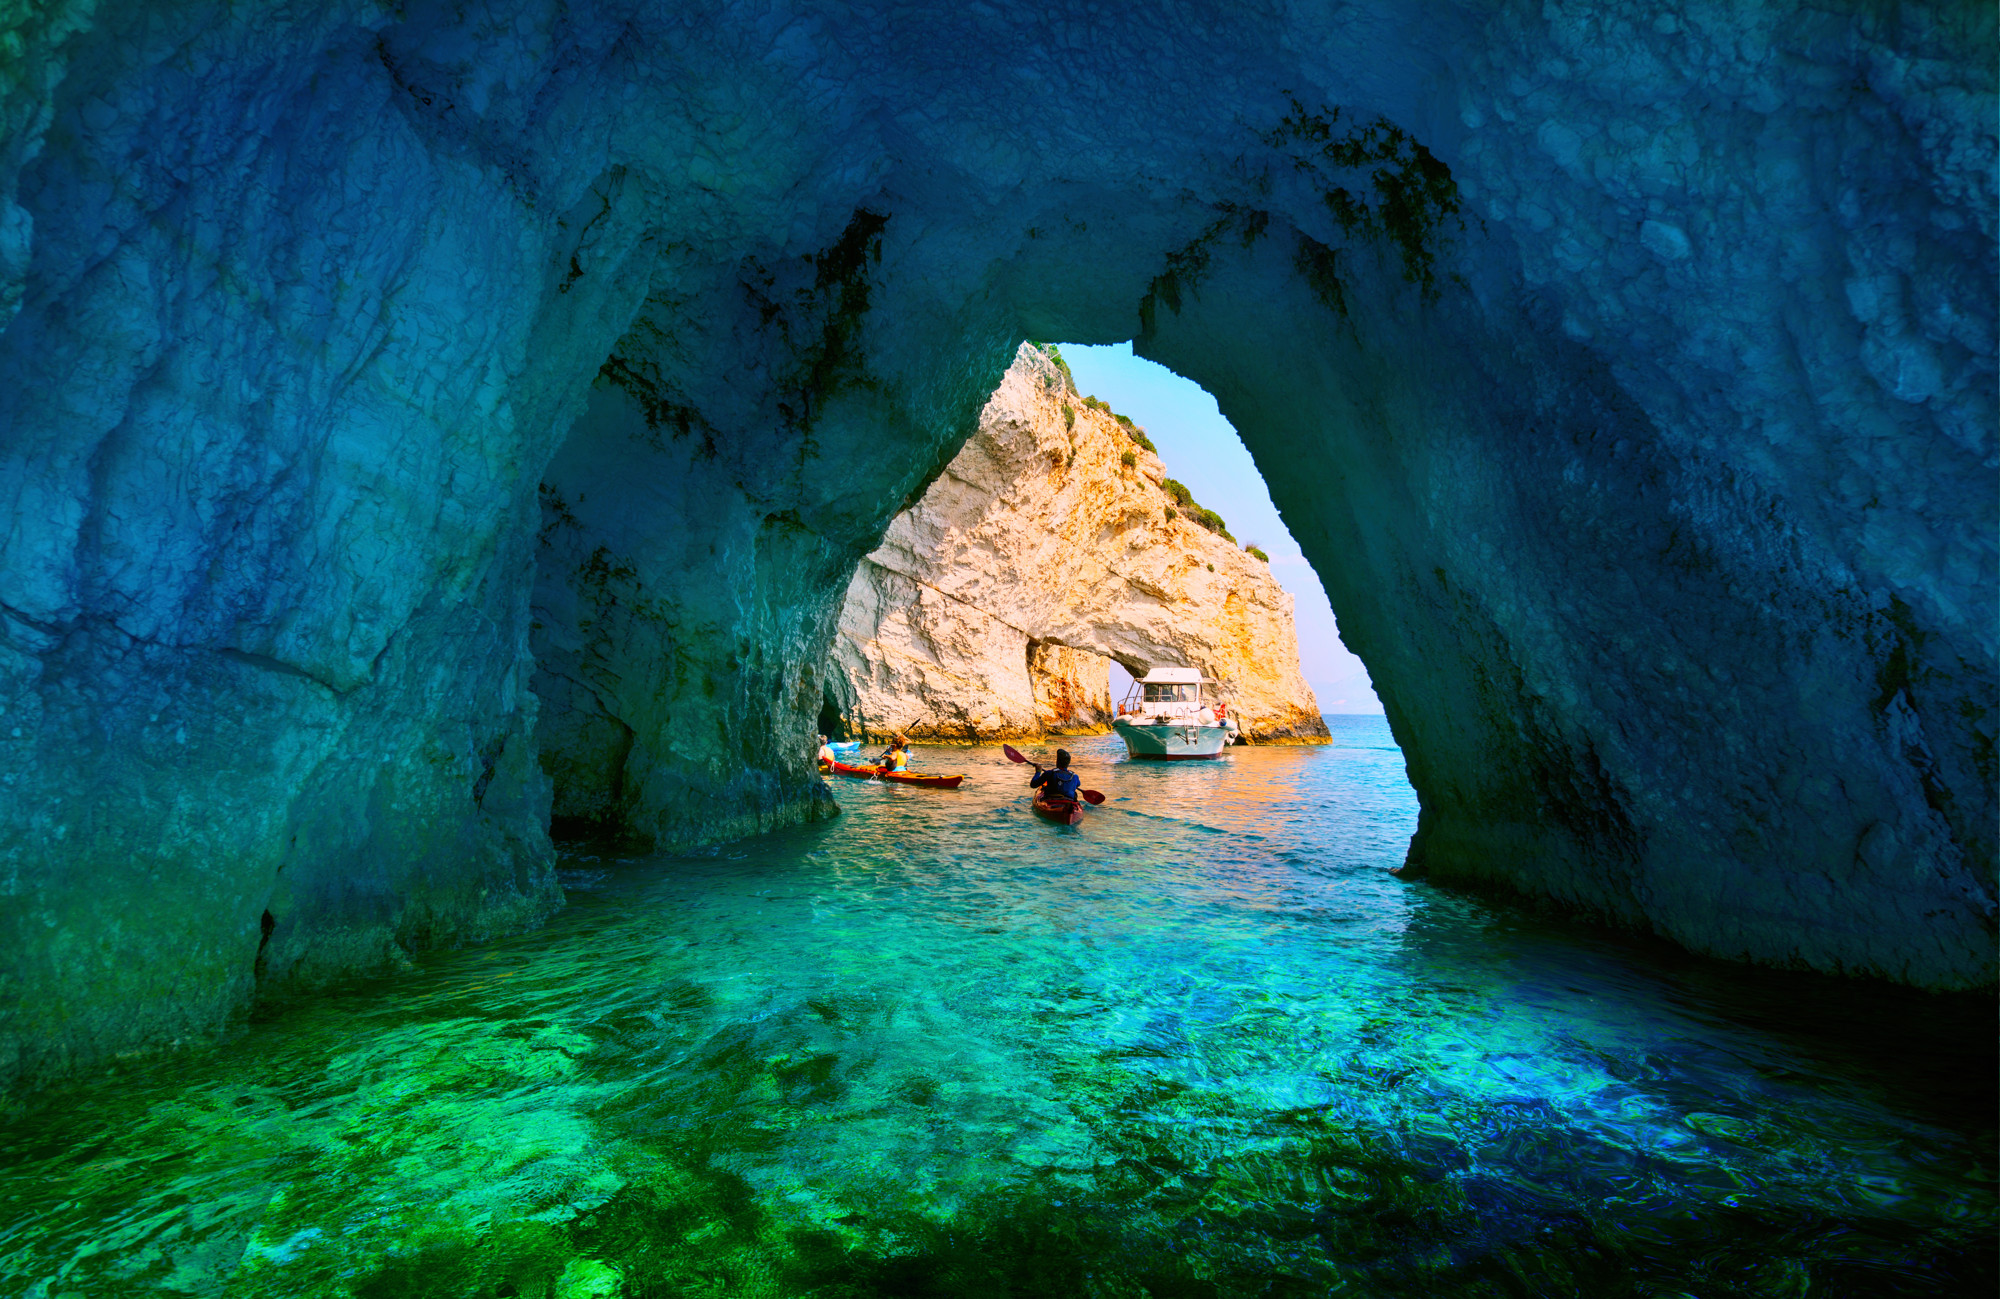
{"x": 833, "y": 715}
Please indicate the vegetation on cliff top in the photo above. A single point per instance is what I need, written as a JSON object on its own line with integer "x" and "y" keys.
{"x": 1181, "y": 496}
{"x": 1132, "y": 430}
{"x": 1055, "y": 355}
{"x": 1207, "y": 518}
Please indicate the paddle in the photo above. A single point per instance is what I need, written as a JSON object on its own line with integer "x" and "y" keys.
{"x": 1090, "y": 796}
{"x": 879, "y": 768}
{"x": 911, "y": 725}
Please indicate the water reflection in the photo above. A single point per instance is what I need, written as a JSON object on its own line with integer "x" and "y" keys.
{"x": 1201, "y": 1044}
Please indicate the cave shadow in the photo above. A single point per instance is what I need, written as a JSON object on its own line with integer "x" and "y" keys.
{"x": 1928, "y": 1055}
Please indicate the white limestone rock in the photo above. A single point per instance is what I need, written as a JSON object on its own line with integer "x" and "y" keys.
{"x": 995, "y": 605}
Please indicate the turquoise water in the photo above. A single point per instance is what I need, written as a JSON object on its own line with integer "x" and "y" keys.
{"x": 1201, "y": 1045}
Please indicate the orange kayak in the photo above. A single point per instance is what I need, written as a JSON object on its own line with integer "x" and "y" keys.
{"x": 1067, "y": 811}
{"x": 900, "y": 777}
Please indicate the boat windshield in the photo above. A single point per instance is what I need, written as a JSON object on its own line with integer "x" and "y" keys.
{"x": 1170, "y": 694}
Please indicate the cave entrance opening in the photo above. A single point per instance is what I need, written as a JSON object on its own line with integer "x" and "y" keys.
{"x": 1178, "y": 420}
{"x": 832, "y": 718}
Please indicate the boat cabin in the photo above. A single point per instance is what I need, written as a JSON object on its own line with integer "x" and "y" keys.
{"x": 1171, "y": 693}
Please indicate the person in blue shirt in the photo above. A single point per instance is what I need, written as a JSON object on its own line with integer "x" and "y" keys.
{"x": 1057, "y": 781}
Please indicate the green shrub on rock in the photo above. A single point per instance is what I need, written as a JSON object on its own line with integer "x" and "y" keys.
{"x": 1136, "y": 433}
{"x": 1054, "y": 354}
{"x": 1207, "y": 518}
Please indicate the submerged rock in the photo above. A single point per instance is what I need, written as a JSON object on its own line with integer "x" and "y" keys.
{"x": 421, "y": 418}
{"x": 1048, "y": 547}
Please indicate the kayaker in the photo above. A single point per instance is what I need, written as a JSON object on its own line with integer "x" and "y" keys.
{"x": 898, "y": 756}
{"x": 1057, "y": 781}
{"x": 825, "y": 753}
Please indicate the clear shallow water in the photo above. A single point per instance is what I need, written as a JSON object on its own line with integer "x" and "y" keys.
{"x": 1201, "y": 1045}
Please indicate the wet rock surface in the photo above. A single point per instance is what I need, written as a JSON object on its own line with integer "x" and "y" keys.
{"x": 1048, "y": 548}
{"x": 421, "y": 421}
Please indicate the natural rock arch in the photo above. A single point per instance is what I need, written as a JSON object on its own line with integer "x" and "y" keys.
{"x": 1053, "y": 545}
{"x": 379, "y": 381}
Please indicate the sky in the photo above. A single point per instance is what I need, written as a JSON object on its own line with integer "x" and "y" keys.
{"x": 1201, "y": 449}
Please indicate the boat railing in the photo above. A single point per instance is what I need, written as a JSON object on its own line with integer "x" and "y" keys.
{"x": 1136, "y": 707}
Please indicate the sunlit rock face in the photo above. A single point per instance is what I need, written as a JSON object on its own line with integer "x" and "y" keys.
{"x": 400, "y": 401}
{"x": 1048, "y": 547}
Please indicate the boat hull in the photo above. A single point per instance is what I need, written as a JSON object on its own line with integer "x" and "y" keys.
{"x": 899, "y": 777}
{"x": 1175, "y": 740}
{"x": 1061, "y": 810}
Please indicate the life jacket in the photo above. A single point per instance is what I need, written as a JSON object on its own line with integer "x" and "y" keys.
{"x": 1059, "y": 782}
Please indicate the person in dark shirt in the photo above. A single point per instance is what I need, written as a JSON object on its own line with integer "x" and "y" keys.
{"x": 1057, "y": 781}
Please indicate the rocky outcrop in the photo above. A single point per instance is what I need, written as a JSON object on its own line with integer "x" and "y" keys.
{"x": 1047, "y": 549}
{"x": 1626, "y": 371}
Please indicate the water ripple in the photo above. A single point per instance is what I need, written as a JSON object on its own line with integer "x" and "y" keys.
{"x": 1201, "y": 1044}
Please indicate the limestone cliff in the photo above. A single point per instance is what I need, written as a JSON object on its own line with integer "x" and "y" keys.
{"x": 1048, "y": 548}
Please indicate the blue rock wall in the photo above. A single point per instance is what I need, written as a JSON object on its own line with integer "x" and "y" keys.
{"x": 418, "y": 421}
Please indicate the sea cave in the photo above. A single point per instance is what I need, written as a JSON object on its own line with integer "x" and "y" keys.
{"x": 431, "y": 429}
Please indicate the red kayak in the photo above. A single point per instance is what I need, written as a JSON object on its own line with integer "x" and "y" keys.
{"x": 900, "y": 777}
{"x": 1066, "y": 810}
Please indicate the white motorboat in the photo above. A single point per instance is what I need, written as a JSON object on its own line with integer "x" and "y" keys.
{"x": 1174, "y": 713}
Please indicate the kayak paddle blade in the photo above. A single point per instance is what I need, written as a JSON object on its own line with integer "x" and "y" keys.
{"x": 1091, "y": 796}
{"x": 1013, "y": 754}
